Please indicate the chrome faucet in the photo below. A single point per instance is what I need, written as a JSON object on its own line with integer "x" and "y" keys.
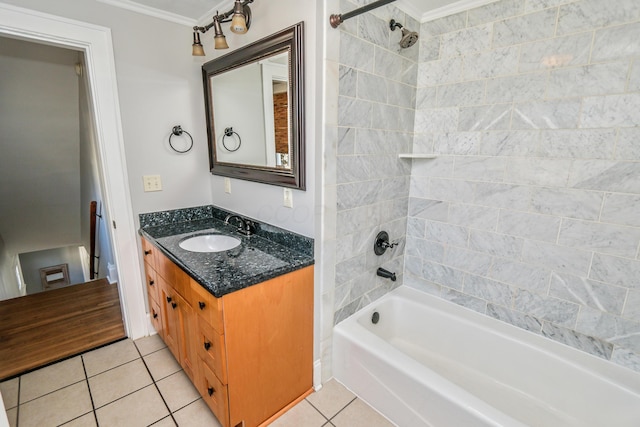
{"x": 244, "y": 225}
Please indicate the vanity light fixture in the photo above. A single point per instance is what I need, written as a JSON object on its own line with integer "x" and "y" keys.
{"x": 240, "y": 18}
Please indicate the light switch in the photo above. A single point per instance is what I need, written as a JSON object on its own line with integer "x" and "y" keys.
{"x": 152, "y": 183}
{"x": 288, "y": 198}
{"x": 227, "y": 185}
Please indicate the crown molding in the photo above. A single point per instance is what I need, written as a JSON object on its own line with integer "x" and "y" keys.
{"x": 151, "y": 11}
{"x": 410, "y": 8}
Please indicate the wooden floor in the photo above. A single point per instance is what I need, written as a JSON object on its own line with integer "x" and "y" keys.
{"x": 38, "y": 329}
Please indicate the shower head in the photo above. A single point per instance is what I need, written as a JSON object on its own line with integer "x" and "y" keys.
{"x": 409, "y": 38}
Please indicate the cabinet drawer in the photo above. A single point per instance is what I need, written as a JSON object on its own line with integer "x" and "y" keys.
{"x": 214, "y": 393}
{"x": 208, "y": 307}
{"x": 152, "y": 283}
{"x": 210, "y": 348}
{"x": 148, "y": 252}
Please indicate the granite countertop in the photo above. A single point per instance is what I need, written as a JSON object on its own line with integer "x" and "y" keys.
{"x": 268, "y": 253}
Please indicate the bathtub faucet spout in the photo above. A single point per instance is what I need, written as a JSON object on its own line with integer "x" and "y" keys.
{"x": 386, "y": 274}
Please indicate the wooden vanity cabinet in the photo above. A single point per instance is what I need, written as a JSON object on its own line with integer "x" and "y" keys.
{"x": 250, "y": 352}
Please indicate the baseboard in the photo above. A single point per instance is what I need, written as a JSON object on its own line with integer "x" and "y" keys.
{"x": 317, "y": 375}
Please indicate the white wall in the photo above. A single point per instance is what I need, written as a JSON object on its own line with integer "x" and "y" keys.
{"x": 9, "y": 286}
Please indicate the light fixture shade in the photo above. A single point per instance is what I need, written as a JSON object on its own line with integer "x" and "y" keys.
{"x": 238, "y": 20}
{"x": 196, "y": 48}
{"x": 220, "y": 42}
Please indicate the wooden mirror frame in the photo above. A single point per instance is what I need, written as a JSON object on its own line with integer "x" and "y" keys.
{"x": 289, "y": 40}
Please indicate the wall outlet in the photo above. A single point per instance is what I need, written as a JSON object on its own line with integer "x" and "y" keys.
{"x": 227, "y": 185}
{"x": 152, "y": 183}
{"x": 288, "y": 198}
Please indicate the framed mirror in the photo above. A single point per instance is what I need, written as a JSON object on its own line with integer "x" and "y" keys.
{"x": 255, "y": 111}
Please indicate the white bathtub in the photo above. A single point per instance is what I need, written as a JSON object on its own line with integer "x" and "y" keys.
{"x": 429, "y": 362}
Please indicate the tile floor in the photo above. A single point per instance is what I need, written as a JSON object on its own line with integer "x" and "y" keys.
{"x": 140, "y": 384}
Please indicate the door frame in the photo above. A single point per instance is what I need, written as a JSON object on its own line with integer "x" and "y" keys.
{"x": 95, "y": 42}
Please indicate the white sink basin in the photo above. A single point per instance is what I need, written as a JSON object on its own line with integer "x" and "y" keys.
{"x": 209, "y": 243}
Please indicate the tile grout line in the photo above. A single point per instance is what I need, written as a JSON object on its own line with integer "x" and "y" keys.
{"x": 86, "y": 378}
{"x": 319, "y": 411}
{"x": 18, "y": 402}
{"x": 155, "y": 384}
{"x": 345, "y": 407}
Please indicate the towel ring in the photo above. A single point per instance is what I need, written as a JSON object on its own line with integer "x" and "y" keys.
{"x": 228, "y": 132}
{"x": 178, "y": 131}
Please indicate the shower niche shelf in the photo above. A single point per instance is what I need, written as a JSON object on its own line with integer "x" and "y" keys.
{"x": 416, "y": 156}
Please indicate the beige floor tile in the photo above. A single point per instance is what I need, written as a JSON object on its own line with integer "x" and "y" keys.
{"x": 178, "y": 391}
{"x": 359, "y": 414}
{"x": 56, "y": 408}
{"x": 165, "y": 422}
{"x": 139, "y": 409}
{"x": 109, "y": 357}
{"x": 51, "y": 378}
{"x": 149, "y": 344}
{"x": 331, "y": 398}
{"x": 303, "y": 414}
{"x": 88, "y": 420}
{"x": 196, "y": 415}
{"x": 12, "y": 415}
{"x": 118, "y": 382}
{"x": 161, "y": 364}
{"x": 9, "y": 390}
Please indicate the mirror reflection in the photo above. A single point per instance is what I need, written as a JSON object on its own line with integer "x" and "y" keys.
{"x": 260, "y": 91}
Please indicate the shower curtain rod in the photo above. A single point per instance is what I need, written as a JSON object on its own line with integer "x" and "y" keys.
{"x": 336, "y": 19}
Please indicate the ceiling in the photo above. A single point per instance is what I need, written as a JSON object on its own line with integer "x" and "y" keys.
{"x": 190, "y": 12}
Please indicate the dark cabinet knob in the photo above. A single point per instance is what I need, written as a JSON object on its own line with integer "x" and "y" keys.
{"x": 147, "y": 252}
{"x": 174, "y": 305}
{"x": 168, "y": 299}
{"x": 201, "y": 305}
{"x": 207, "y": 345}
{"x": 155, "y": 315}
{"x": 211, "y": 390}
{"x": 151, "y": 282}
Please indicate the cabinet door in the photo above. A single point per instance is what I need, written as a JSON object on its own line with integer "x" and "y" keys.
{"x": 169, "y": 316}
{"x": 186, "y": 337}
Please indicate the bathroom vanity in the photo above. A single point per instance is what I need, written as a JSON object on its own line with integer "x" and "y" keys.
{"x": 239, "y": 321}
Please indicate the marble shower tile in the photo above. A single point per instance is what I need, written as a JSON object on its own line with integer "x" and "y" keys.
{"x": 346, "y": 140}
{"x": 520, "y": 143}
{"x": 532, "y": 278}
{"x": 426, "y": 97}
{"x": 539, "y": 172}
{"x": 452, "y": 190}
{"x": 542, "y": 307}
{"x": 349, "y": 269}
{"x": 579, "y": 204}
{"x": 401, "y": 95}
{"x": 443, "y": 71}
{"x": 634, "y": 78}
{"x": 489, "y": 117}
{"x": 385, "y": 116}
{"x": 632, "y": 306}
{"x": 488, "y": 290}
{"x": 441, "y": 167}
{"x": 626, "y": 358}
{"x": 494, "y": 11}
{"x": 529, "y": 226}
{"x": 577, "y": 340}
{"x": 495, "y": 244}
{"x": 558, "y": 258}
{"x": 628, "y": 147}
{"x": 556, "y": 53}
{"x": 621, "y": 209}
{"x": 442, "y": 275}
{"x": 615, "y": 271}
{"x": 424, "y": 249}
{"x": 461, "y": 94}
{"x": 372, "y": 87}
{"x": 494, "y": 63}
{"x": 352, "y": 195}
{"x": 444, "y": 25}
{"x": 466, "y": 41}
{"x": 436, "y": 210}
{"x": 611, "y": 111}
{"x": 447, "y": 234}
{"x": 464, "y": 300}
{"x": 394, "y": 67}
{"x": 588, "y": 14}
{"x": 373, "y": 29}
{"x": 456, "y": 143}
{"x": 588, "y": 292}
{"x": 533, "y": 5}
{"x": 525, "y": 28}
{"x": 546, "y": 115}
{"x": 503, "y": 196}
{"x": 525, "y": 87}
{"x": 472, "y": 216}
{"x": 480, "y": 168}
{"x": 623, "y": 177}
{"x": 613, "y": 329}
{"x": 470, "y": 261}
{"x": 356, "y": 53}
{"x": 603, "y": 238}
{"x": 347, "y": 81}
{"x": 354, "y": 112}
{"x": 436, "y": 120}
{"x": 515, "y": 318}
{"x": 590, "y": 80}
{"x": 429, "y": 48}
{"x": 579, "y": 144}
{"x": 617, "y": 43}
{"x": 416, "y": 227}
